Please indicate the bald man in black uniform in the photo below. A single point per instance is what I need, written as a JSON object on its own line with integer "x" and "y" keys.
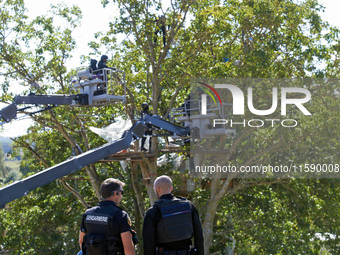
{"x": 170, "y": 224}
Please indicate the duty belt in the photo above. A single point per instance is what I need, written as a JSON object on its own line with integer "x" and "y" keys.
{"x": 162, "y": 251}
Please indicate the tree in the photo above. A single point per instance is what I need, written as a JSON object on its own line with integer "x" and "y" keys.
{"x": 57, "y": 134}
{"x": 260, "y": 39}
{"x": 40, "y": 57}
{"x": 36, "y": 51}
{"x": 282, "y": 218}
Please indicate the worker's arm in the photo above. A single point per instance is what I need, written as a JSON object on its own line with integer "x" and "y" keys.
{"x": 129, "y": 248}
{"x": 81, "y": 236}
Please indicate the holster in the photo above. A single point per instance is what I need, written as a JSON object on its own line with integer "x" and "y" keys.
{"x": 193, "y": 251}
{"x": 95, "y": 244}
{"x": 134, "y": 237}
{"x": 114, "y": 245}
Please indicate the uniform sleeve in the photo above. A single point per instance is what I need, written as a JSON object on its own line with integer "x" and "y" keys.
{"x": 149, "y": 234}
{"x": 198, "y": 232}
{"x": 125, "y": 224}
{"x": 82, "y": 225}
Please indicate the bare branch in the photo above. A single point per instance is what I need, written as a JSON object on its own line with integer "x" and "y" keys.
{"x": 35, "y": 154}
{"x": 44, "y": 162}
{"x": 74, "y": 192}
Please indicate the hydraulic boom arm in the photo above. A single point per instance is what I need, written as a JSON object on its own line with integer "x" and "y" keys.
{"x": 22, "y": 187}
{"x": 10, "y": 112}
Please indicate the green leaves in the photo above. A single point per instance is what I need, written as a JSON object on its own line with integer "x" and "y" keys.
{"x": 210, "y": 39}
{"x": 43, "y": 49}
{"x": 43, "y": 227}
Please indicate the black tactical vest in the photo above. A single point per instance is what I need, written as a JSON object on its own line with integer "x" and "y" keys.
{"x": 99, "y": 239}
{"x": 176, "y": 222}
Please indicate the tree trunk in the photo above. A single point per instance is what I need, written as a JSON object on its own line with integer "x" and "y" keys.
{"x": 149, "y": 177}
{"x": 136, "y": 188}
{"x": 217, "y": 192}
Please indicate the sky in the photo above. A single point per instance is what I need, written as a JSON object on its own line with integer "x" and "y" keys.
{"x": 96, "y": 18}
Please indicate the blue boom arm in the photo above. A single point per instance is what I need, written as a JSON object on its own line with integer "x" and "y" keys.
{"x": 21, "y": 188}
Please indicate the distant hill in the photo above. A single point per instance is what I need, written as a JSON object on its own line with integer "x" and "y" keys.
{"x": 6, "y": 143}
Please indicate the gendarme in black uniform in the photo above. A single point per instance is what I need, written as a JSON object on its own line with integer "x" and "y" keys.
{"x": 169, "y": 226}
{"x": 104, "y": 221}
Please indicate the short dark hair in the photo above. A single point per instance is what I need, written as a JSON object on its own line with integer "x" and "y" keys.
{"x": 109, "y": 186}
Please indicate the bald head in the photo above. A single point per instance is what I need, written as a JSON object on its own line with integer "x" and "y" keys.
{"x": 162, "y": 185}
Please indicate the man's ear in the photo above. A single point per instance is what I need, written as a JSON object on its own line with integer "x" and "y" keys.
{"x": 171, "y": 188}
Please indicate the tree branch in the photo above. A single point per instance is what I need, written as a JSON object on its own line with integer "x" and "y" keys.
{"x": 44, "y": 162}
